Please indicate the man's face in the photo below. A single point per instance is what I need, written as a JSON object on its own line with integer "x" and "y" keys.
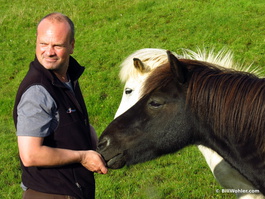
{"x": 53, "y": 46}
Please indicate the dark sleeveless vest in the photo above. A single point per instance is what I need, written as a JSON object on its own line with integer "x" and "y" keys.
{"x": 72, "y": 132}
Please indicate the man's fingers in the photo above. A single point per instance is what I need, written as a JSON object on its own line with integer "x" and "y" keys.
{"x": 104, "y": 170}
{"x": 94, "y": 162}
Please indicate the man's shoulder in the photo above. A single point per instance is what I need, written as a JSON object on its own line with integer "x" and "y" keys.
{"x": 36, "y": 90}
{"x": 38, "y": 94}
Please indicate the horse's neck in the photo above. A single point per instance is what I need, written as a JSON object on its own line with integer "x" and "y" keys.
{"x": 242, "y": 157}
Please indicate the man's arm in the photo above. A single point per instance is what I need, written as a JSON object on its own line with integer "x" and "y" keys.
{"x": 33, "y": 153}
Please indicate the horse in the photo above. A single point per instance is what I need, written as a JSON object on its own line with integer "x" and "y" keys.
{"x": 138, "y": 66}
{"x": 169, "y": 106}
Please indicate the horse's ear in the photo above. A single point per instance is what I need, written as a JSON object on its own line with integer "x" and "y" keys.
{"x": 177, "y": 68}
{"x": 139, "y": 65}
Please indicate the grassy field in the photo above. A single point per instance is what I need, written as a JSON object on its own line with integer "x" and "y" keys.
{"x": 107, "y": 32}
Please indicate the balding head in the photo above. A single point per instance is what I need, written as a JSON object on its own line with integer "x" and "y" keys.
{"x": 59, "y": 18}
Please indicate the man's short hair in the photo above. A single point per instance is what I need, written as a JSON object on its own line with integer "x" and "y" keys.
{"x": 56, "y": 16}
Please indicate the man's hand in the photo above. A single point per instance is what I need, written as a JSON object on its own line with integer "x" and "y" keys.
{"x": 93, "y": 161}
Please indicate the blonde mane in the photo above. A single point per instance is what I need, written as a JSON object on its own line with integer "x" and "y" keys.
{"x": 223, "y": 58}
{"x": 151, "y": 57}
{"x": 154, "y": 57}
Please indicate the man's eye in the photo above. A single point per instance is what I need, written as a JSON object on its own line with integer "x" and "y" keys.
{"x": 59, "y": 46}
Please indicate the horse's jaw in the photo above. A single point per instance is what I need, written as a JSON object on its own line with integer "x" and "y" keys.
{"x": 117, "y": 156}
{"x": 116, "y": 162}
{"x": 113, "y": 157}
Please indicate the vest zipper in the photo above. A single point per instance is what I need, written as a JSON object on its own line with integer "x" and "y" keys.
{"x": 77, "y": 184}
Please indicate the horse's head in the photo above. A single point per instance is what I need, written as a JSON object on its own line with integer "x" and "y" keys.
{"x": 133, "y": 86}
{"x": 147, "y": 129}
{"x": 134, "y": 71}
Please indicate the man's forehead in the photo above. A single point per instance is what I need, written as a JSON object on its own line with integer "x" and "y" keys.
{"x": 50, "y": 24}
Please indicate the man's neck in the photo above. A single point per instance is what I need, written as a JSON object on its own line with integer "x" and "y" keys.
{"x": 62, "y": 77}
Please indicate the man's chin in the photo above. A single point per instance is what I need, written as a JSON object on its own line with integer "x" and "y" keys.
{"x": 50, "y": 65}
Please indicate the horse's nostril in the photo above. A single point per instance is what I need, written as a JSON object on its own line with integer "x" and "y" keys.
{"x": 103, "y": 143}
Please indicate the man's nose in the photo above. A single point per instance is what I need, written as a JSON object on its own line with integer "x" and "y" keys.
{"x": 50, "y": 51}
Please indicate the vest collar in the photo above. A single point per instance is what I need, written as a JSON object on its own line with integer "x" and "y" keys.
{"x": 75, "y": 70}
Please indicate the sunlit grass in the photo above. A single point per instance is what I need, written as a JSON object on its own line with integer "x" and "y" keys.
{"x": 107, "y": 32}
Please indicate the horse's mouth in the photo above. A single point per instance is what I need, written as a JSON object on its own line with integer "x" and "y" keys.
{"x": 116, "y": 162}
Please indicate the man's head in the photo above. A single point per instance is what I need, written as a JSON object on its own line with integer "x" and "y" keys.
{"x": 55, "y": 42}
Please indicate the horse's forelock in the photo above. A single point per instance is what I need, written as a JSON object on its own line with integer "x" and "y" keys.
{"x": 158, "y": 78}
{"x": 162, "y": 75}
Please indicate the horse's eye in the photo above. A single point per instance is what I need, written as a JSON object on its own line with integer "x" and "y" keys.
{"x": 128, "y": 91}
{"x": 155, "y": 104}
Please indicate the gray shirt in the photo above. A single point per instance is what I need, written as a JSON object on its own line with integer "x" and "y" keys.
{"x": 37, "y": 113}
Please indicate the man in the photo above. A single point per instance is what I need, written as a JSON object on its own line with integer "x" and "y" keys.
{"x": 55, "y": 140}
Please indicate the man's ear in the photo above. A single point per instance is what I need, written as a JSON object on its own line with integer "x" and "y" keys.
{"x": 73, "y": 46}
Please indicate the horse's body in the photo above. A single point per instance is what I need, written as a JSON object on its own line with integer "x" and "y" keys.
{"x": 170, "y": 108}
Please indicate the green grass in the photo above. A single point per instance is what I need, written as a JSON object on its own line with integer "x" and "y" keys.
{"x": 107, "y": 32}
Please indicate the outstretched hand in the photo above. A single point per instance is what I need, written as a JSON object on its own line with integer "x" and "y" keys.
{"x": 93, "y": 161}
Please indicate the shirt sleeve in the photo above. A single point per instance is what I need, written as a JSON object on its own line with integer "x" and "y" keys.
{"x": 37, "y": 113}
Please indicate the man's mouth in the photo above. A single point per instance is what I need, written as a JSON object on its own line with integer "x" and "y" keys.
{"x": 50, "y": 59}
